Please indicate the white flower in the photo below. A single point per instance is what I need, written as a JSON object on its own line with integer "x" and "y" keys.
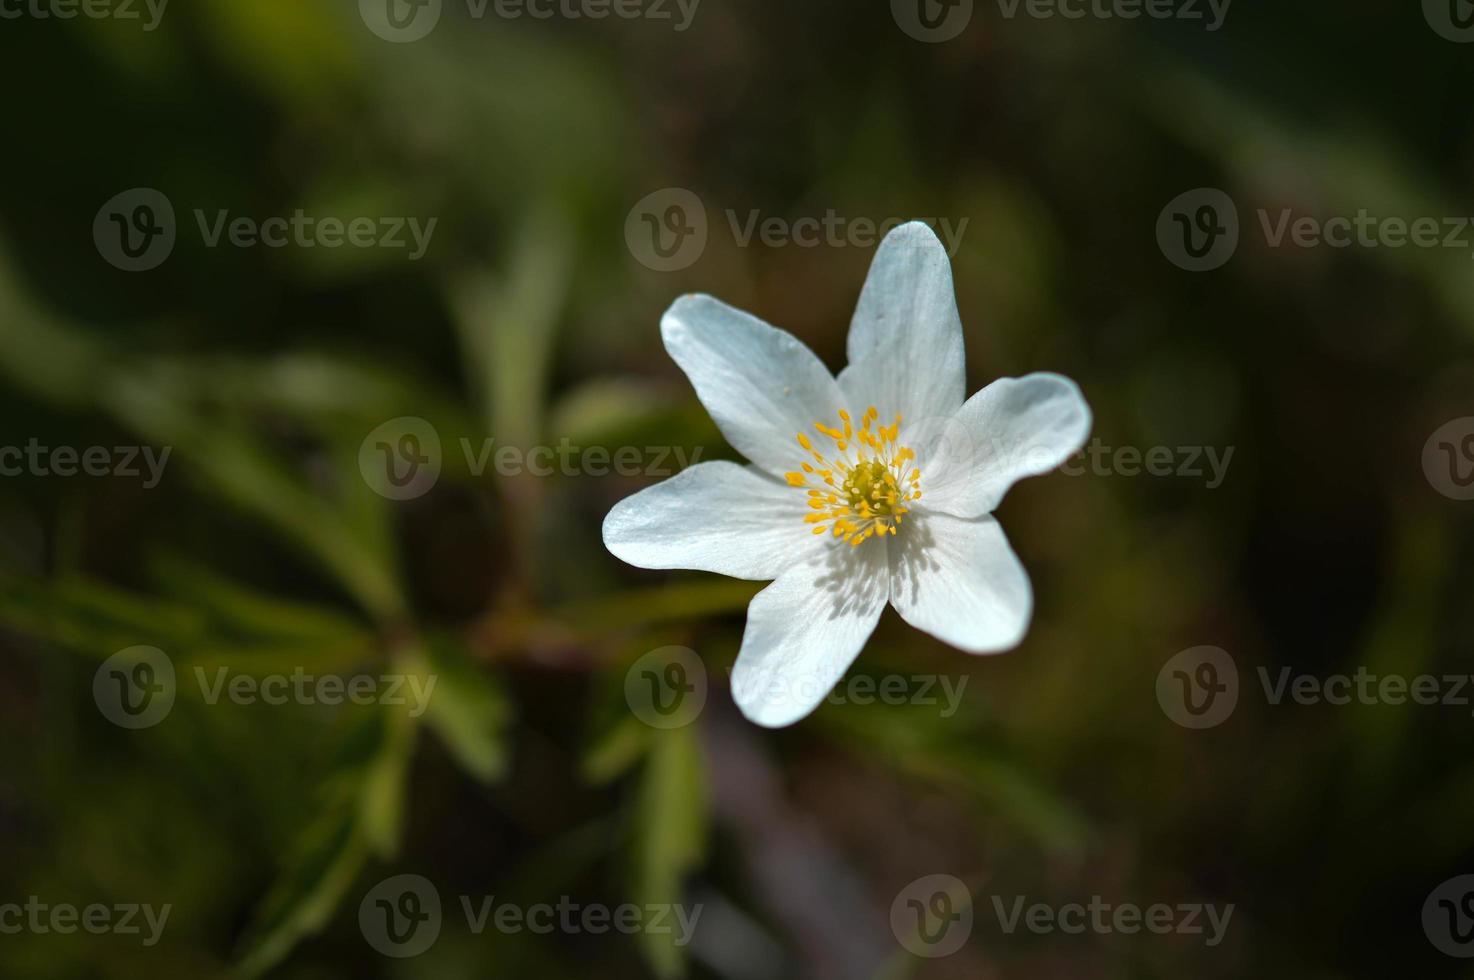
{"x": 876, "y": 486}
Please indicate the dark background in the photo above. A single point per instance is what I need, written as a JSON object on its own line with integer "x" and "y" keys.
{"x": 530, "y": 320}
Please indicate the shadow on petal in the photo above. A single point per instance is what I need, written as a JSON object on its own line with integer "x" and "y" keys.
{"x": 912, "y": 555}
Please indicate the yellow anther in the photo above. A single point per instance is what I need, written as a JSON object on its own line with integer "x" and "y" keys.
{"x": 867, "y": 485}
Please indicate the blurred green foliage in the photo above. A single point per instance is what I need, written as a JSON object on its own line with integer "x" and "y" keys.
{"x": 528, "y": 322}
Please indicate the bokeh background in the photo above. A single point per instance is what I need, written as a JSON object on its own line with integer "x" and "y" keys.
{"x": 530, "y": 319}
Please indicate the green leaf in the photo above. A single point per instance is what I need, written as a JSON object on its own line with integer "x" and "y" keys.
{"x": 40, "y": 355}
{"x": 337, "y": 396}
{"x": 508, "y": 323}
{"x": 207, "y": 620}
{"x": 644, "y": 607}
{"x": 159, "y": 405}
{"x": 382, "y": 799}
{"x": 607, "y": 407}
{"x": 468, "y": 709}
{"x": 1351, "y": 168}
{"x": 1399, "y": 641}
{"x": 956, "y": 756}
{"x": 361, "y": 814}
{"x": 241, "y": 609}
{"x": 323, "y": 864}
{"x": 94, "y": 619}
{"x": 671, "y": 820}
{"x": 617, "y": 750}
{"x": 162, "y": 402}
{"x": 298, "y": 53}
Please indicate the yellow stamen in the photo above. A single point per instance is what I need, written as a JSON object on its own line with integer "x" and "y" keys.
{"x": 869, "y": 482}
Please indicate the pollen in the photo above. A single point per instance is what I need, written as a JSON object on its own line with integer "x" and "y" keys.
{"x": 866, "y": 482}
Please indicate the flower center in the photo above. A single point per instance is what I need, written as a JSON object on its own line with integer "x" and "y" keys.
{"x": 862, "y": 489}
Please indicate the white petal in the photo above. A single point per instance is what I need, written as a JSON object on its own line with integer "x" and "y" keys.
{"x": 960, "y": 581}
{"x": 1014, "y": 428}
{"x": 713, "y": 517}
{"x": 905, "y": 343}
{"x": 761, "y": 385}
{"x": 805, "y": 630}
